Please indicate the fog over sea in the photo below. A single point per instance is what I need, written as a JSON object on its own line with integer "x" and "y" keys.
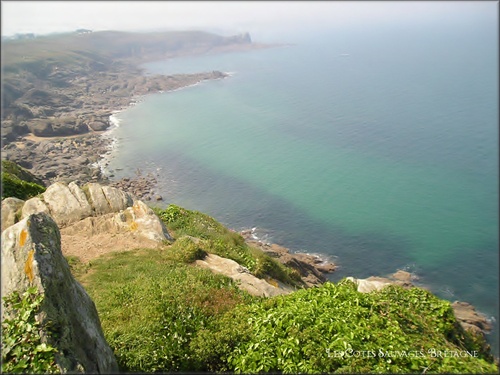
{"x": 377, "y": 148}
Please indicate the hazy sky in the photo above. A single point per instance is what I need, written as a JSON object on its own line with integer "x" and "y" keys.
{"x": 257, "y": 17}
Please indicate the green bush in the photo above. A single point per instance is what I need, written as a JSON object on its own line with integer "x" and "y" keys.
{"x": 335, "y": 329}
{"x": 22, "y": 348}
{"x": 18, "y": 182}
{"x": 12, "y": 186}
{"x": 186, "y": 250}
{"x": 19, "y": 172}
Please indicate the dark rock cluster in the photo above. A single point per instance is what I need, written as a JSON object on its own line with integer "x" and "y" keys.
{"x": 142, "y": 187}
{"x": 310, "y": 267}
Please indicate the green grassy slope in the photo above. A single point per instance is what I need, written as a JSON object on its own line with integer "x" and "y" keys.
{"x": 159, "y": 313}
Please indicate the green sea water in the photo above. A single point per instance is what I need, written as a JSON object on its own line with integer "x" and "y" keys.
{"x": 380, "y": 152}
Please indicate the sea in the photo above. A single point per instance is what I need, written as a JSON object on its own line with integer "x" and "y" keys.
{"x": 376, "y": 149}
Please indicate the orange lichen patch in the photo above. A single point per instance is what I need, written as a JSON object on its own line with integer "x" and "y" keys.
{"x": 133, "y": 226}
{"x": 28, "y": 266}
{"x": 138, "y": 211}
{"x": 22, "y": 237}
{"x": 273, "y": 282}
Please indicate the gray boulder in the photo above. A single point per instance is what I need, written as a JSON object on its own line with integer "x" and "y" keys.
{"x": 10, "y": 208}
{"x": 141, "y": 219}
{"x": 117, "y": 199}
{"x": 31, "y": 255}
{"x": 81, "y": 198}
{"x": 33, "y": 206}
{"x": 105, "y": 199}
{"x": 246, "y": 281}
{"x": 66, "y": 207}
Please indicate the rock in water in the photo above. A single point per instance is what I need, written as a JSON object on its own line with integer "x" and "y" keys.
{"x": 31, "y": 255}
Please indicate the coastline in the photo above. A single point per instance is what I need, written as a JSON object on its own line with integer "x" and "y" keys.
{"x": 99, "y": 146}
{"x": 33, "y": 151}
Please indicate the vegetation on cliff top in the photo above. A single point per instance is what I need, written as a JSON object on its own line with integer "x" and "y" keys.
{"x": 102, "y": 47}
{"x": 18, "y": 182}
{"x": 159, "y": 314}
{"x": 217, "y": 239}
{"x": 22, "y": 348}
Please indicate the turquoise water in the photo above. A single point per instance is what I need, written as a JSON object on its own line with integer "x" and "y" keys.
{"x": 379, "y": 151}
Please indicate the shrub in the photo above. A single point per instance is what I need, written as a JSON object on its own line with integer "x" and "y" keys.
{"x": 22, "y": 347}
{"x": 335, "y": 329}
{"x": 12, "y": 186}
{"x": 186, "y": 250}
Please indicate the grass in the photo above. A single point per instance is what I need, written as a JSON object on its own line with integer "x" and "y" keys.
{"x": 217, "y": 239}
{"x": 160, "y": 313}
{"x": 151, "y": 306}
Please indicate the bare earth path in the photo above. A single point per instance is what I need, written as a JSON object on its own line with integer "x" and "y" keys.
{"x": 85, "y": 240}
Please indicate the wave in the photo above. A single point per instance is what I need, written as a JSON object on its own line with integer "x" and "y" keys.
{"x": 111, "y": 146}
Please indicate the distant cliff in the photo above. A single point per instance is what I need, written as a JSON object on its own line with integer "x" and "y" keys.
{"x": 67, "y": 84}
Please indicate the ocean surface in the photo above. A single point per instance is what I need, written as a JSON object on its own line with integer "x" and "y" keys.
{"x": 376, "y": 149}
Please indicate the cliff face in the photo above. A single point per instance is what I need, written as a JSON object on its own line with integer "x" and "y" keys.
{"x": 31, "y": 256}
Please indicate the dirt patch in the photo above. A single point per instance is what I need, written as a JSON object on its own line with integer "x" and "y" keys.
{"x": 87, "y": 245}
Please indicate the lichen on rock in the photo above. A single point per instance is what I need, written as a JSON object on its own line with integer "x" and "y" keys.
{"x": 31, "y": 256}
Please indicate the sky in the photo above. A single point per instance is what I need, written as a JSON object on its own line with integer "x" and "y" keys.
{"x": 256, "y": 17}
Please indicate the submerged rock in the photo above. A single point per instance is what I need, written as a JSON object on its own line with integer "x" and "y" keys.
{"x": 31, "y": 256}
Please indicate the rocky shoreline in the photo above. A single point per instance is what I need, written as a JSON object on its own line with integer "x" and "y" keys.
{"x": 311, "y": 268}
{"x": 55, "y": 112}
{"x": 57, "y": 157}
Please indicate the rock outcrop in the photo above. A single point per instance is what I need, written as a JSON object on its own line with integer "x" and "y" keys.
{"x": 246, "y": 280}
{"x": 10, "y": 210}
{"x": 66, "y": 205}
{"x": 69, "y": 204}
{"x": 469, "y": 318}
{"x": 93, "y": 220}
{"x": 31, "y": 256}
{"x": 310, "y": 267}
{"x": 370, "y": 284}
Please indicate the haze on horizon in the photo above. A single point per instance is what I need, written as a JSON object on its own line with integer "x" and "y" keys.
{"x": 268, "y": 19}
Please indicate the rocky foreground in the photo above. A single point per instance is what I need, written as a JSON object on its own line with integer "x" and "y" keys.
{"x": 32, "y": 255}
{"x": 87, "y": 222}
